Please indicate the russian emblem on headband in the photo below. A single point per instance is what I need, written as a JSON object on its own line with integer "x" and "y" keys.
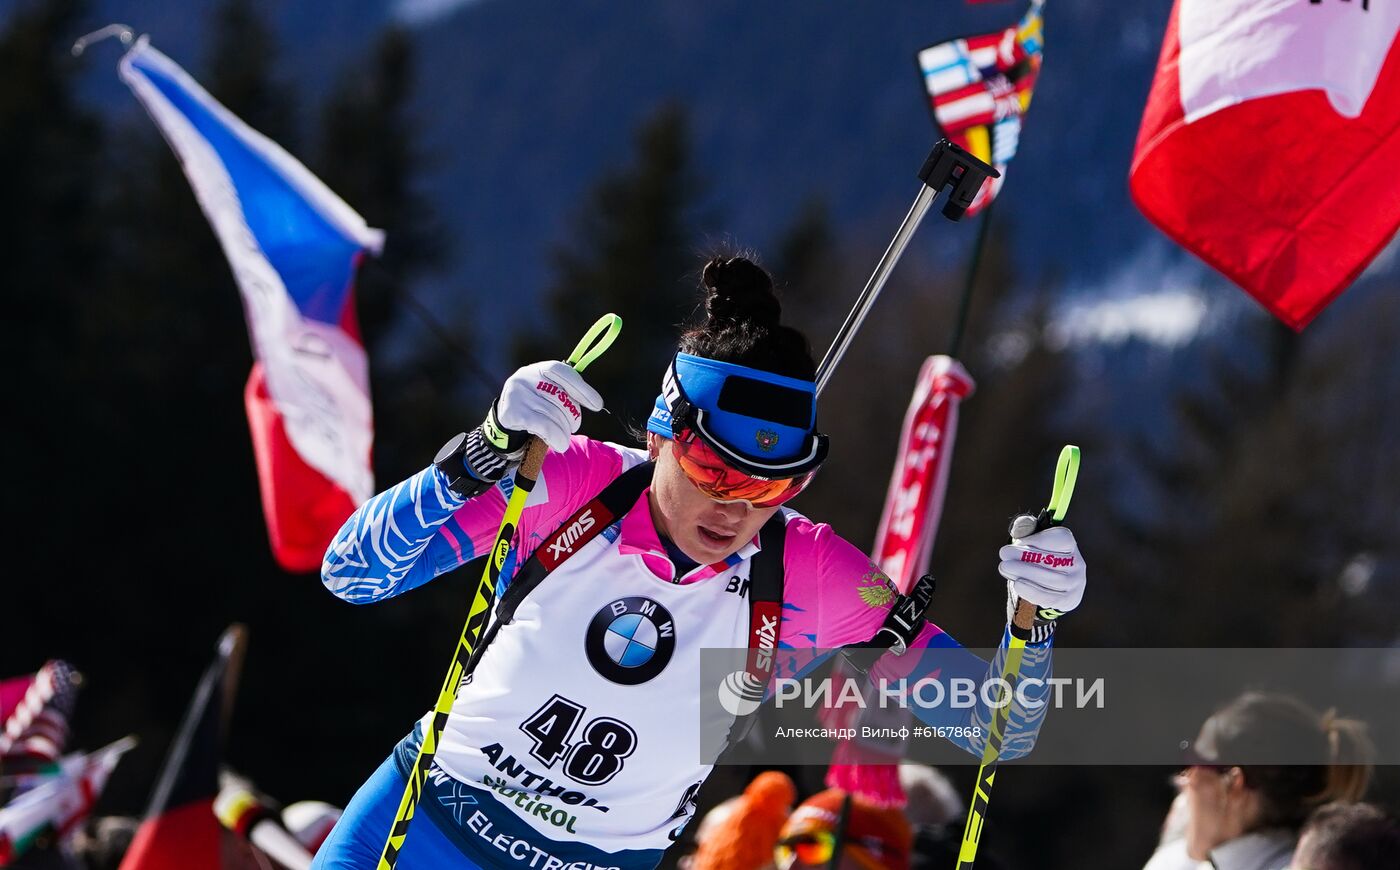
{"x": 766, "y": 439}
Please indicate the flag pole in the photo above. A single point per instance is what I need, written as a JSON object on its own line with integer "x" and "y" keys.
{"x": 120, "y": 31}
{"x": 970, "y": 283}
{"x": 230, "y": 654}
{"x": 948, "y": 165}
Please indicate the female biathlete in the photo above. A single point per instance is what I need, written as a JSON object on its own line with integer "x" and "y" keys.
{"x": 574, "y": 742}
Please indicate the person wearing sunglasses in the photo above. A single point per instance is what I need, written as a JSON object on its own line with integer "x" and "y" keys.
{"x": 839, "y": 831}
{"x": 574, "y": 741}
{"x": 1258, "y": 767}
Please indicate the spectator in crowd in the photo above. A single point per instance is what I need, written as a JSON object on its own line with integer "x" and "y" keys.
{"x": 1171, "y": 847}
{"x": 104, "y": 841}
{"x": 1340, "y": 836}
{"x": 837, "y": 829}
{"x": 705, "y": 828}
{"x": 740, "y": 833}
{"x": 1243, "y": 802}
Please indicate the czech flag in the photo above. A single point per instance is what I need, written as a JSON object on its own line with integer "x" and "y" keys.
{"x": 1270, "y": 145}
{"x": 294, "y": 247}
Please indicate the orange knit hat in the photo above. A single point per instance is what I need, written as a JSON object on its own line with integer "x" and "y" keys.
{"x": 745, "y": 840}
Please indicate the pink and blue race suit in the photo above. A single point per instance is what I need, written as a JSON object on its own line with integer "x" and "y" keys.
{"x": 566, "y": 746}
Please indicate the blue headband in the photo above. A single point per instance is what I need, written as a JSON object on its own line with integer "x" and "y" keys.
{"x": 760, "y": 422}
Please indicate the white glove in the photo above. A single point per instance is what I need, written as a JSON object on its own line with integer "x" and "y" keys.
{"x": 544, "y": 399}
{"x": 1044, "y": 568}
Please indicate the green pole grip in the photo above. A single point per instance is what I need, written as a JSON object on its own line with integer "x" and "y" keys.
{"x": 599, "y": 337}
{"x": 1066, "y": 474}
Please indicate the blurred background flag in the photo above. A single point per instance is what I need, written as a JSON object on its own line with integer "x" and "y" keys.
{"x": 34, "y": 712}
{"x": 180, "y": 829}
{"x": 56, "y": 805}
{"x": 903, "y": 547}
{"x": 914, "y": 501}
{"x": 1270, "y": 142}
{"x": 254, "y": 819}
{"x": 980, "y": 86}
{"x": 294, "y": 247}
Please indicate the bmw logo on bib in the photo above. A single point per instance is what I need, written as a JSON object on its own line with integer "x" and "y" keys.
{"x": 630, "y": 640}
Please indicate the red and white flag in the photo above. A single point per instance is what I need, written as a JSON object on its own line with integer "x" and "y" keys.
{"x": 914, "y": 502}
{"x": 294, "y": 247}
{"x": 1271, "y": 140}
{"x": 903, "y": 546}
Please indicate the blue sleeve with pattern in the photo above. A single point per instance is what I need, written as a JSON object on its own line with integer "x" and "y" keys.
{"x": 948, "y": 660}
{"x": 392, "y": 543}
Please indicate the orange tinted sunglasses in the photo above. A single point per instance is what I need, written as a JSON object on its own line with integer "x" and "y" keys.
{"x": 704, "y": 468}
{"x": 817, "y": 849}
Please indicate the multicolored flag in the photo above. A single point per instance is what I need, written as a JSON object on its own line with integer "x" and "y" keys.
{"x": 59, "y": 802}
{"x": 1270, "y": 142}
{"x": 34, "y": 712}
{"x": 294, "y": 247}
{"x": 980, "y": 86}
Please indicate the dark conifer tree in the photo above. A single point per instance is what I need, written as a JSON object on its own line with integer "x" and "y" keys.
{"x": 368, "y": 153}
{"x": 49, "y": 204}
{"x": 241, "y": 71}
{"x": 636, "y": 250}
{"x": 811, "y": 274}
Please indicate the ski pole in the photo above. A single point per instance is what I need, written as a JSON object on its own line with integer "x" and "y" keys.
{"x": 598, "y": 339}
{"x": 1066, "y": 472}
{"x": 947, "y": 166}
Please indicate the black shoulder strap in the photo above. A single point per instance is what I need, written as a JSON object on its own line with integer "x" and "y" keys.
{"x": 765, "y": 617}
{"x": 766, "y": 576}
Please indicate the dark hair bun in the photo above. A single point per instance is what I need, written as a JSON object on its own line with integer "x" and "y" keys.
{"x": 740, "y": 291}
{"x": 741, "y": 322}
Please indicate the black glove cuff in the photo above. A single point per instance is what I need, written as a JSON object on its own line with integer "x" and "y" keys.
{"x": 471, "y": 465}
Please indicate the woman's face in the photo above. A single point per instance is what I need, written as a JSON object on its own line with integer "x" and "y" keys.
{"x": 706, "y": 530}
{"x": 1216, "y": 808}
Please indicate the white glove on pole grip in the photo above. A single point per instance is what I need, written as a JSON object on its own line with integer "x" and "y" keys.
{"x": 546, "y": 400}
{"x": 1045, "y": 568}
